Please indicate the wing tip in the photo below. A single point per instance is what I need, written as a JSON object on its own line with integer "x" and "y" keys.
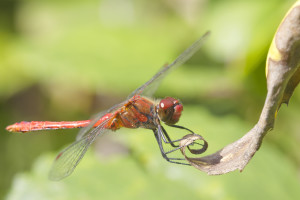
{"x": 52, "y": 176}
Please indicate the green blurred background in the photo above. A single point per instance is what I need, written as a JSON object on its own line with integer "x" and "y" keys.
{"x": 67, "y": 60}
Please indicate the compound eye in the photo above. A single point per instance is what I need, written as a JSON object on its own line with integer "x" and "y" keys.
{"x": 166, "y": 103}
{"x": 169, "y": 110}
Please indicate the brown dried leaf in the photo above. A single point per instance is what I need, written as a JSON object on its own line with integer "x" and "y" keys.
{"x": 283, "y": 63}
{"x": 232, "y": 157}
{"x": 189, "y": 140}
{"x": 283, "y": 75}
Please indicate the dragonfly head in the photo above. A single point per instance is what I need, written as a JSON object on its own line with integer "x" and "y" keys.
{"x": 169, "y": 110}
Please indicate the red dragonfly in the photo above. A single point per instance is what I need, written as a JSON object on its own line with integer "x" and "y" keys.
{"x": 138, "y": 111}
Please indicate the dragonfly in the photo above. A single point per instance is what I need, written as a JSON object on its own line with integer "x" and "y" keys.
{"x": 139, "y": 110}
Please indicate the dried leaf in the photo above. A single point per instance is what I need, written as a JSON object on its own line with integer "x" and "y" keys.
{"x": 283, "y": 75}
{"x": 232, "y": 157}
{"x": 189, "y": 140}
{"x": 283, "y": 66}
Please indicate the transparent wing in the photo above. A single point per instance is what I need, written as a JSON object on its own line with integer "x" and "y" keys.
{"x": 84, "y": 131}
{"x": 67, "y": 160}
{"x": 151, "y": 86}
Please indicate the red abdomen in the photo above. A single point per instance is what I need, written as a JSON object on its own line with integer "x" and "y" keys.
{"x": 136, "y": 113}
{"x": 49, "y": 125}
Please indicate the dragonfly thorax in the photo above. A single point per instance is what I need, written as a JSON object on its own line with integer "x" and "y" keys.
{"x": 169, "y": 110}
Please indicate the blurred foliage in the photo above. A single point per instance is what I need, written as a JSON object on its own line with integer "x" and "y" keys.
{"x": 146, "y": 175}
{"x": 66, "y": 60}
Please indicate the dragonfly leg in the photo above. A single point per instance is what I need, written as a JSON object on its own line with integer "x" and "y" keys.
{"x": 181, "y": 127}
{"x": 158, "y": 136}
{"x": 204, "y": 146}
{"x": 166, "y": 137}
